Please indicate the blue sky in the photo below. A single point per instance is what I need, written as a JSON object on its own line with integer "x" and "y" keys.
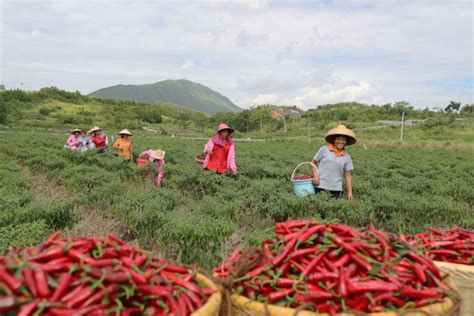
{"x": 285, "y": 52}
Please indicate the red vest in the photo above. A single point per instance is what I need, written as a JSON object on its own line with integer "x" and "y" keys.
{"x": 218, "y": 160}
{"x": 99, "y": 142}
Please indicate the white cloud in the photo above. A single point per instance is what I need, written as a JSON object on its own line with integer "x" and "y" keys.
{"x": 301, "y": 52}
{"x": 187, "y": 65}
{"x": 327, "y": 93}
{"x": 261, "y": 99}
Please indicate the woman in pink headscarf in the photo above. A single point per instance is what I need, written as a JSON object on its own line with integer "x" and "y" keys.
{"x": 220, "y": 151}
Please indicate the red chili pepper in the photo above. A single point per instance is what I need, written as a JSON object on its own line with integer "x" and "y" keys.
{"x": 42, "y": 283}
{"x": 313, "y": 296}
{"x": 304, "y": 252}
{"x": 81, "y": 297}
{"x": 187, "y": 301}
{"x": 419, "y": 272}
{"x": 302, "y": 238}
{"x": 278, "y": 295}
{"x": 59, "y": 264}
{"x": 435, "y": 231}
{"x": 62, "y": 287}
{"x": 137, "y": 277}
{"x": 316, "y": 277}
{"x": 194, "y": 298}
{"x": 54, "y": 236}
{"x": 342, "y": 261}
{"x": 154, "y": 289}
{"x": 177, "y": 269}
{"x": 12, "y": 282}
{"x": 100, "y": 263}
{"x": 288, "y": 247}
{"x": 340, "y": 243}
{"x": 415, "y": 293}
{"x": 74, "y": 292}
{"x": 30, "y": 281}
{"x": 329, "y": 264}
{"x": 28, "y": 309}
{"x": 115, "y": 239}
{"x": 98, "y": 296}
{"x": 342, "y": 288}
{"x": 371, "y": 286}
{"x": 310, "y": 267}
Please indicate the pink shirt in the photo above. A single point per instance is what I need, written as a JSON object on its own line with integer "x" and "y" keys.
{"x": 158, "y": 164}
{"x": 230, "y": 157}
{"x": 72, "y": 142}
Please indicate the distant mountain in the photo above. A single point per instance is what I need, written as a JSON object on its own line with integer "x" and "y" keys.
{"x": 182, "y": 92}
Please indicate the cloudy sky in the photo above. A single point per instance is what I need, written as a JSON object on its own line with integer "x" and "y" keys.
{"x": 283, "y": 52}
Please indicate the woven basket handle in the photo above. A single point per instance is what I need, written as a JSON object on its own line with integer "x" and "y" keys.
{"x": 303, "y": 163}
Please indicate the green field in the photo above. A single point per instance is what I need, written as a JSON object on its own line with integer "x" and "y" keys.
{"x": 199, "y": 217}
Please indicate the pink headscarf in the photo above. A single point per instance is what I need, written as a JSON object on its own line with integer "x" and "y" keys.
{"x": 218, "y": 140}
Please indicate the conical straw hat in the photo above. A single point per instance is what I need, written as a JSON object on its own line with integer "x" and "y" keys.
{"x": 76, "y": 130}
{"x": 341, "y": 130}
{"x": 158, "y": 154}
{"x": 125, "y": 132}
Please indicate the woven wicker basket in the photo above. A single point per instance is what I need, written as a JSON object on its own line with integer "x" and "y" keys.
{"x": 243, "y": 306}
{"x": 462, "y": 277}
{"x": 213, "y": 304}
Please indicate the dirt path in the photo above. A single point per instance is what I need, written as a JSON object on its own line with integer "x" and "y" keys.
{"x": 94, "y": 220}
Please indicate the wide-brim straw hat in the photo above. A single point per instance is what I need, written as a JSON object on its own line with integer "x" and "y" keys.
{"x": 341, "y": 130}
{"x": 125, "y": 132}
{"x": 94, "y": 129}
{"x": 76, "y": 130}
{"x": 224, "y": 126}
{"x": 158, "y": 154}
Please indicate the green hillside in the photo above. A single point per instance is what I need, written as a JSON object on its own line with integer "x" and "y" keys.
{"x": 183, "y": 92}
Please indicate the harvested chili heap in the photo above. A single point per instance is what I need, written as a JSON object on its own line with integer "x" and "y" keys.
{"x": 454, "y": 245}
{"x": 336, "y": 268}
{"x": 302, "y": 176}
{"x": 95, "y": 276}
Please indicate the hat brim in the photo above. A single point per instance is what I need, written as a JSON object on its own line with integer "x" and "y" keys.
{"x": 129, "y": 134}
{"x": 231, "y": 130}
{"x": 160, "y": 156}
{"x": 350, "y": 140}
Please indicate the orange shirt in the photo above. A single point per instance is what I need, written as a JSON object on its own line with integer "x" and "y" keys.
{"x": 124, "y": 147}
{"x": 218, "y": 159}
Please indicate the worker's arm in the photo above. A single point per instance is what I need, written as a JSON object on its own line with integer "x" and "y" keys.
{"x": 117, "y": 144}
{"x": 315, "y": 173}
{"x": 348, "y": 178}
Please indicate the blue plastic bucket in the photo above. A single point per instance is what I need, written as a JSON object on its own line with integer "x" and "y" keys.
{"x": 302, "y": 187}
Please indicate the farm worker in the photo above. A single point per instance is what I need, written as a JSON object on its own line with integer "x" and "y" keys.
{"x": 124, "y": 145}
{"x": 84, "y": 141}
{"x": 157, "y": 158}
{"x": 99, "y": 138}
{"x": 72, "y": 142}
{"x": 220, "y": 151}
{"x": 334, "y": 163}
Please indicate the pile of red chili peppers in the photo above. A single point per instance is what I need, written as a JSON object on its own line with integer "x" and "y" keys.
{"x": 95, "y": 276}
{"x": 303, "y": 177}
{"x": 454, "y": 245}
{"x": 335, "y": 268}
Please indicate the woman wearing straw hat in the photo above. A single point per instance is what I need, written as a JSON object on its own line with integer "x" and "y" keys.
{"x": 334, "y": 163}
{"x": 124, "y": 145}
{"x": 157, "y": 158}
{"x": 220, "y": 151}
{"x": 72, "y": 142}
{"x": 99, "y": 138}
{"x": 84, "y": 141}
